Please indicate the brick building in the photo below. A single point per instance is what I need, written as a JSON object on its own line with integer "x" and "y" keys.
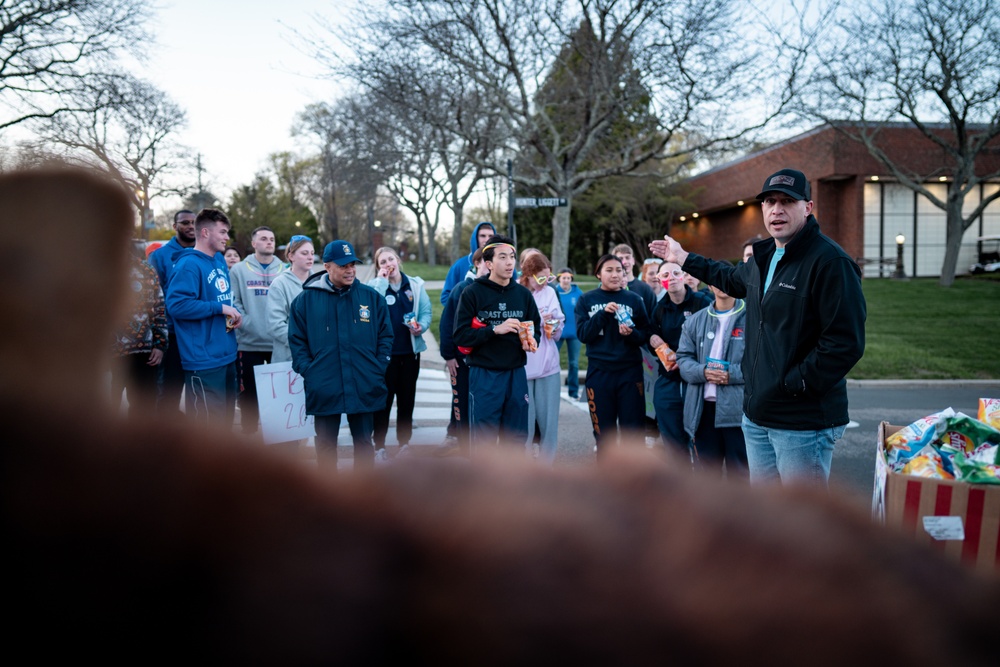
{"x": 857, "y": 203}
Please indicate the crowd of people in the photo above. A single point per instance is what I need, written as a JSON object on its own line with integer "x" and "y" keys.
{"x": 749, "y": 369}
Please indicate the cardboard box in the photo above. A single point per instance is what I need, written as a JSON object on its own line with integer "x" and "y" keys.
{"x": 961, "y": 520}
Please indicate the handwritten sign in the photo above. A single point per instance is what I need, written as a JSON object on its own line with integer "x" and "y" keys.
{"x": 281, "y": 397}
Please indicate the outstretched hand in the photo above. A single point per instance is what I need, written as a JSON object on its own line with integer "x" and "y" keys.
{"x": 669, "y": 250}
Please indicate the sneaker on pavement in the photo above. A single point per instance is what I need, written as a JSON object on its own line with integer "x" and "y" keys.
{"x": 381, "y": 457}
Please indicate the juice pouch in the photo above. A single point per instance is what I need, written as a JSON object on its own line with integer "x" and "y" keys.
{"x": 527, "y": 335}
{"x": 667, "y": 357}
{"x": 716, "y": 364}
{"x": 624, "y": 318}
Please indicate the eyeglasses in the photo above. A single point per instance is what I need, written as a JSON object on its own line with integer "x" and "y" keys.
{"x": 652, "y": 260}
{"x": 541, "y": 280}
{"x": 300, "y": 237}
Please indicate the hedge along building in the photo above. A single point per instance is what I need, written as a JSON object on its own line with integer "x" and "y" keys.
{"x": 857, "y": 202}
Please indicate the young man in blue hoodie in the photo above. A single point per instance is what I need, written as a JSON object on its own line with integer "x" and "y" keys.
{"x": 199, "y": 299}
{"x": 462, "y": 266}
{"x": 171, "y": 378}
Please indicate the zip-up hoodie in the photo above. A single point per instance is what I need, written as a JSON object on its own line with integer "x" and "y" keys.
{"x": 456, "y": 274}
{"x": 251, "y": 281}
{"x": 484, "y": 305}
{"x": 606, "y": 349}
{"x": 198, "y": 288}
{"x": 697, "y": 337}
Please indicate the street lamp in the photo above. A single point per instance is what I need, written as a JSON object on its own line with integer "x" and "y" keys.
{"x": 899, "y": 274}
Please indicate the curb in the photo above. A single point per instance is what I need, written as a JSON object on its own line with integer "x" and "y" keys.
{"x": 920, "y": 384}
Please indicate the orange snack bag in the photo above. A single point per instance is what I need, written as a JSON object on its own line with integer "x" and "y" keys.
{"x": 667, "y": 357}
{"x": 527, "y": 334}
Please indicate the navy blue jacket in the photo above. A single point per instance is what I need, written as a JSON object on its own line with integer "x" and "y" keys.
{"x": 341, "y": 342}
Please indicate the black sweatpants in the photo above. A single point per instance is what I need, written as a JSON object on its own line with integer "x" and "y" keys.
{"x": 617, "y": 401}
{"x": 249, "y": 410}
{"x": 401, "y": 383}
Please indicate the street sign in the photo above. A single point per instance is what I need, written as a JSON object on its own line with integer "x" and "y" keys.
{"x": 539, "y": 202}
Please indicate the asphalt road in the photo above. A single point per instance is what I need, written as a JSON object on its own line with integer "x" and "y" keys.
{"x": 853, "y": 468}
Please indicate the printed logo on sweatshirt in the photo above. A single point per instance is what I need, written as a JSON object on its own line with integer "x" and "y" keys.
{"x": 364, "y": 314}
{"x": 498, "y": 316}
{"x": 219, "y": 280}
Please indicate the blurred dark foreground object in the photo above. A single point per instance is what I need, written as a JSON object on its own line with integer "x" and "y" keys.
{"x": 137, "y": 540}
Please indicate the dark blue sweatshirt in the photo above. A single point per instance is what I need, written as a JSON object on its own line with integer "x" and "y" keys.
{"x": 607, "y": 350}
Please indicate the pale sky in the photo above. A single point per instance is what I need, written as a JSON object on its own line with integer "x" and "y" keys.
{"x": 233, "y": 67}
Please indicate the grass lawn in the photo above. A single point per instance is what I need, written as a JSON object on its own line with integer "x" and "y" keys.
{"x": 426, "y": 271}
{"x": 915, "y": 330}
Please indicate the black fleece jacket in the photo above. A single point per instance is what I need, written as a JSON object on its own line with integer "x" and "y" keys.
{"x": 803, "y": 336}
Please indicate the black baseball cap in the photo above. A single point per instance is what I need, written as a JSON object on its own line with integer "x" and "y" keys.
{"x": 788, "y": 181}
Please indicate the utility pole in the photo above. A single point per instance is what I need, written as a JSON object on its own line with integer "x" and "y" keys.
{"x": 510, "y": 202}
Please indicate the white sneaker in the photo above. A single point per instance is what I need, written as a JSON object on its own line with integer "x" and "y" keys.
{"x": 404, "y": 451}
{"x": 381, "y": 457}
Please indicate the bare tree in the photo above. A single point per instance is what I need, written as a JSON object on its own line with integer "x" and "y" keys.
{"x": 462, "y": 129}
{"x": 49, "y": 48}
{"x": 345, "y": 188}
{"x": 566, "y": 76}
{"x": 129, "y": 132}
{"x": 932, "y": 64}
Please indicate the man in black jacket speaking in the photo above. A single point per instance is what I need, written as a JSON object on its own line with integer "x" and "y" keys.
{"x": 805, "y": 331}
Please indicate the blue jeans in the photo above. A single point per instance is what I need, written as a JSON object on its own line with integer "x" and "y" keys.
{"x": 573, "y": 355}
{"x": 789, "y": 456}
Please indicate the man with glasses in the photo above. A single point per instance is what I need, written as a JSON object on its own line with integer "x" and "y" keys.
{"x": 805, "y": 331}
{"x": 162, "y": 259}
{"x": 669, "y": 315}
{"x": 251, "y": 281}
